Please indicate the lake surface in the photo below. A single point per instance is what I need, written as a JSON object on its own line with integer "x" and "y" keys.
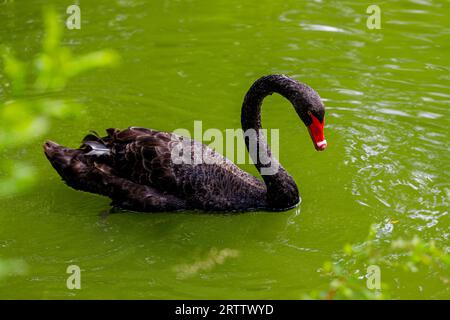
{"x": 387, "y": 94}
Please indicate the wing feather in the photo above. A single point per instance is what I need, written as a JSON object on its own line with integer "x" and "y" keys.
{"x": 144, "y": 155}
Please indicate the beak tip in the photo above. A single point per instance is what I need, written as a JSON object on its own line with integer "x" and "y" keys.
{"x": 321, "y": 145}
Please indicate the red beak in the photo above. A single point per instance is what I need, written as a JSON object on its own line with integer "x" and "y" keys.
{"x": 316, "y": 132}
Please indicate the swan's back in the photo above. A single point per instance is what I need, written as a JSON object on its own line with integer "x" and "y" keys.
{"x": 181, "y": 166}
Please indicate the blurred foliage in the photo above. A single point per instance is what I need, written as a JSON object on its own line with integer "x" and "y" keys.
{"x": 30, "y": 99}
{"x": 348, "y": 281}
{"x": 12, "y": 267}
{"x": 29, "y": 105}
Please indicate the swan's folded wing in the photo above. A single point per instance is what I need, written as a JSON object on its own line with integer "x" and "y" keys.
{"x": 144, "y": 156}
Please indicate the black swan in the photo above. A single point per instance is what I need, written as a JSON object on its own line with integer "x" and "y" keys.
{"x": 135, "y": 169}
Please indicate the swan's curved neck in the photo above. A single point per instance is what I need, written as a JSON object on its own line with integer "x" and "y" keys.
{"x": 282, "y": 191}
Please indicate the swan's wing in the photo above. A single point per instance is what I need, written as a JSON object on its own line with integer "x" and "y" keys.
{"x": 129, "y": 195}
{"x": 207, "y": 180}
{"x": 144, "y": 156}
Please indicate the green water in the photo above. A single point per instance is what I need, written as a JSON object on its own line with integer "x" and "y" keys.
{"x": 387, "y": 94}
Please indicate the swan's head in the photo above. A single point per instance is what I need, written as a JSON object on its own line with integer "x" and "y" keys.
{"x": 316, "y": 132}
{"x": 313, "y": 115}
{"x": 305, "y": 100}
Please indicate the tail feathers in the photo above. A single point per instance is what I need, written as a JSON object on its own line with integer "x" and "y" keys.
{"x": 67, "y": 162}
{"x": 79, "y": 171}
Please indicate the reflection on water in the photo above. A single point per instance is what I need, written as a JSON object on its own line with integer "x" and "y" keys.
{"x": 387, "y": 94}
{"x": 214, "y": 258}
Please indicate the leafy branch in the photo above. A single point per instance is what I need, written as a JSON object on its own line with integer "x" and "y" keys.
{"x": 29, "y": 105}
{"x": 347, "y": 281}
